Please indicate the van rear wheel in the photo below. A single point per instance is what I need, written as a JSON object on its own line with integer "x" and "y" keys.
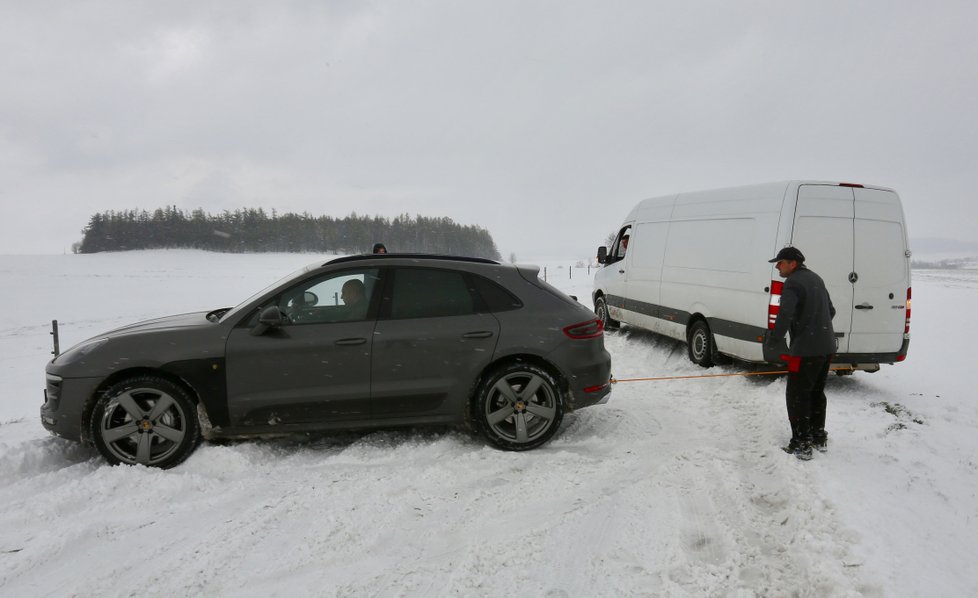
{"x": 702, "y": 348}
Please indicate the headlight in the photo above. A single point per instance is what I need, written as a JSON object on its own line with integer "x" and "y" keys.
{"x": 79, "y": 351}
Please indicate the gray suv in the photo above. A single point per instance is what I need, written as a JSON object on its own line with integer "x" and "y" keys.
{"x": 357, "y": 342}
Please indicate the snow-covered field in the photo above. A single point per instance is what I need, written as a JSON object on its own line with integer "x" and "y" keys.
{"x": 671, "y": 489}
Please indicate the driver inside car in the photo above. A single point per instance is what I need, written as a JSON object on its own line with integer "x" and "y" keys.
{"x": 354, "y": 298}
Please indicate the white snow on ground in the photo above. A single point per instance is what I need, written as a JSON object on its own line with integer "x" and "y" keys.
{"x": 672, "y": 488}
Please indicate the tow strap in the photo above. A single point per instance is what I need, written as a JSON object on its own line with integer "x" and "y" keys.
{"x": 659, "y": 378}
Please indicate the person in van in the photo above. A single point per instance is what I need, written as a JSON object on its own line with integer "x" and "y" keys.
{"x": 806, "y": 314}
{"x": 379, "y": 248}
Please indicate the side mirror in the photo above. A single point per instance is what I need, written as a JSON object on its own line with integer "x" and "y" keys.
{"x": 270, "y": 317}
{"x": 602, "y": 254}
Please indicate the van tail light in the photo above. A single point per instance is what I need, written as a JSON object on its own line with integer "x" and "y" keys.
{"x": 774, "y": 305}
{"x": 590, "y": 329}
{"x": 906, "y": 326}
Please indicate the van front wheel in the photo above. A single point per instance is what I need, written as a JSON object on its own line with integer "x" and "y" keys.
{"x": 601, "y": 310}
{"x": 702, "y": 349}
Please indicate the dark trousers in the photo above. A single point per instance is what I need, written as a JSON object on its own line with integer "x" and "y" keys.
{"x": 805, "y": 395}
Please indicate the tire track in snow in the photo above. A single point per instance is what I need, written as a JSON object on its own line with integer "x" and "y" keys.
{"x": 758, "y": 525}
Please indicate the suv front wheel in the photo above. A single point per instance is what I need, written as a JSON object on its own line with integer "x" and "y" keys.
{"x": 518, "y": 406}
{"x": 145, "y": 420}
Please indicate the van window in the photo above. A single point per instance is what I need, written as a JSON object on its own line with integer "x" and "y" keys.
{"x": 620, "y": 246}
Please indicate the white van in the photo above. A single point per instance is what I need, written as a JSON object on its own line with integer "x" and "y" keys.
{"x": 694, "y": 266}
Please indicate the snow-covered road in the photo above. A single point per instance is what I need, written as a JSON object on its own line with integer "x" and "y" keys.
{"x": 673, "y": 488}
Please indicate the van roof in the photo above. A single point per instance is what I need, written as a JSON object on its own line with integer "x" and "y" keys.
{"x": 774, "y": 190}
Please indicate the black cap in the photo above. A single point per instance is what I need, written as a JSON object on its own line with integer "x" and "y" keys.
{"x": 789, "y": 253}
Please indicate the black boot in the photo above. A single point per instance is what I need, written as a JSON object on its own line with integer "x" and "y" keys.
{"x": 820, "y": 440}
{"x": 799, "y": 448}
{"x": 804, "y": 451}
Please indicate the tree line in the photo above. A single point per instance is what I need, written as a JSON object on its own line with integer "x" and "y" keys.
{"x": 254, "y": 230}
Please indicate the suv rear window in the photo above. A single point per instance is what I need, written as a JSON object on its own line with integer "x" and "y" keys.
{"x": 494, "y": 297}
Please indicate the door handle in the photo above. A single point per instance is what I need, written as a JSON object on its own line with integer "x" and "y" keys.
{"x": 479, "y": 334}
{"x": 621, "y": 271}
{"x": 351, "y": 341}
{"x": 864, "y": 306}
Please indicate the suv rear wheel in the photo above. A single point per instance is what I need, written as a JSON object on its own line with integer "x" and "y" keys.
{"x": 518, "y": 406}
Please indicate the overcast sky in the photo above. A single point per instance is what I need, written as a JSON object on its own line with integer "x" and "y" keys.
{"x": 542, "y": 121}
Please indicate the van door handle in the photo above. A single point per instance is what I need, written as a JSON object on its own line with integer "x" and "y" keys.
{"x": 864, "y": 306}
{"x": 621, "y": 271}
{"x": 479, "y": 334}
{"x": 351, "y": 341}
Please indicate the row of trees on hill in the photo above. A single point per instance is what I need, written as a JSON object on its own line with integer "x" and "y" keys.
{"x": 256, "y": 230}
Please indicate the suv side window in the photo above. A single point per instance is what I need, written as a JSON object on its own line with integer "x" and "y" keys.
{"x": 429, "y": 293}
{"x": 337, "y": 297}
{"x": 494, "y": 297}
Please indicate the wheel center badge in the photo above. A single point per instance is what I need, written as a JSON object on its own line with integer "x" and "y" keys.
{"x": 146, "y": 425}
{"x": 520, "y": 405}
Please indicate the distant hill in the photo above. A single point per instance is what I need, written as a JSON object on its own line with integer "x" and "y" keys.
{"x": 936, "y": 245}
{"x": 943, "y": 254}
{"x": 254, "y": 230}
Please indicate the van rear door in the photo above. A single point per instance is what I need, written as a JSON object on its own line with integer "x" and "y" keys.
{"x": 854, "y": 238}
{"x": 882, "y": 268}
{"x": 823, "y": 231}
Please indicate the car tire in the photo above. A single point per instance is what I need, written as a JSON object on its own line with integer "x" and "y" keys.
{"x": 701, "y": 347}
{"x": 146, "y": 420}
{"x": 518, "y": 406}
{"x": 601, "y": 310}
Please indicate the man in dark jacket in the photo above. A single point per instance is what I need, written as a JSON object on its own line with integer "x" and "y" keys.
{"x": 805, "y": 314}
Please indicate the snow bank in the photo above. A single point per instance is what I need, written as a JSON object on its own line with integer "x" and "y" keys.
{"x": 672, "y": 488}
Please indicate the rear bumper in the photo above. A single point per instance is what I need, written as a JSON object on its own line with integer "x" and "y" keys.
{"x": 854, "y": 359}
{"x": 587, "y": 370}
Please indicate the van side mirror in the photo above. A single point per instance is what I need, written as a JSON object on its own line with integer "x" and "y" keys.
{"x": 602, "y": 254}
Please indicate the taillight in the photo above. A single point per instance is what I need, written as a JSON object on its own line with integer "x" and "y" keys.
{"x": 774, "y": 305}
{"x": 590, "y": 329}
{"x": 906, "y": 326}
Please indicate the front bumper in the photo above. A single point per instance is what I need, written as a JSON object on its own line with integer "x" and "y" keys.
{"x": 64, "y": 404}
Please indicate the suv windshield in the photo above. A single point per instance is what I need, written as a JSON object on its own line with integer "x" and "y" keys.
{"x": 238, "y": 308}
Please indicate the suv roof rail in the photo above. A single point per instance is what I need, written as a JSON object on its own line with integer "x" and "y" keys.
{"x": 422, "y": 256}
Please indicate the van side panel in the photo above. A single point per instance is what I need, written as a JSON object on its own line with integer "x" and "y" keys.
{"x": 716, "y": 264}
